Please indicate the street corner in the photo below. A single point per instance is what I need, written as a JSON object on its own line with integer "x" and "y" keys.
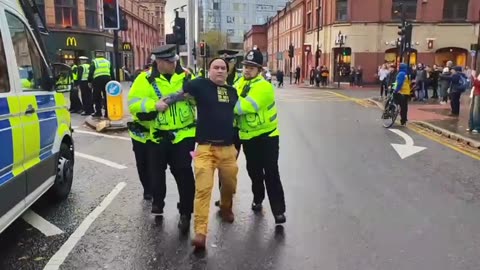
{"x": 101, "y": 124}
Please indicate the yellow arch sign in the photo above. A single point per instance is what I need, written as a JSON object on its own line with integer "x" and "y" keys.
{"x": 71, "y": 41}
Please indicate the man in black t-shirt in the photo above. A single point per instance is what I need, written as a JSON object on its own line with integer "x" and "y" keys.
{"x": 215, "y": 102}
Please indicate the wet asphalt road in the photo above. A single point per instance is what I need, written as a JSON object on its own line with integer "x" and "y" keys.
{"x": 352, "y": 203}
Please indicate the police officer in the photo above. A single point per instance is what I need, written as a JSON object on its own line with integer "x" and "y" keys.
{"x": 100, "y": 73}
{"x": 75, "y": 103}
{"x": 172, "y": 130}
{"x": 258, "y": 123}
{"x": 85, "y": 90}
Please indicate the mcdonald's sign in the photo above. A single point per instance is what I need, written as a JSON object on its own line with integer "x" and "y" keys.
{"x": 127, "y": 46}
{"x": 71, "y": 42}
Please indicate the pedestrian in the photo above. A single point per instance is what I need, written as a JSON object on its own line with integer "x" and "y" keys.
{"x": 280, "y": 75}
{"x": 382, "y": 75}
{"x": 444, "y": 85}
{"x": 85, "y": 90}
{"x": 172, "y": 131}
{"x": 100, "y": 73}
{"x": 215, "y": 101}
{"x": 402, "y": 92}
{"x": 474, "y": 120}
{"x": 257, "y": 120}
{"x": 458, "y": 85}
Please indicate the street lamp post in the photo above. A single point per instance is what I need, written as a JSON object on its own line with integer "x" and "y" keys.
{"x": 475, "y": 62}
{"x": 319, "y": 25}
{"x": 340, "y": 41}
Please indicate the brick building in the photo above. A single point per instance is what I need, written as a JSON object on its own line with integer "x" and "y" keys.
{"x": 143, "y": 32}
{"x": 443, "y": 30}
{"x": 285, "y": 28}
{"x": 76, "y": 30}
{"x": 256, "y": 36}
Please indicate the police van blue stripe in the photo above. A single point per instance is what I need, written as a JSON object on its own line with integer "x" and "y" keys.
{"x": 4, "y": 109}
{"x": 6, "y": 154}
{"x": 48, "y": 130}
{"x": 45, "y": 101}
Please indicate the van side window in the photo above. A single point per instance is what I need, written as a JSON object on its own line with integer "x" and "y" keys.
{"x": 4, "y": 82}
{"x": 31, "y": 66}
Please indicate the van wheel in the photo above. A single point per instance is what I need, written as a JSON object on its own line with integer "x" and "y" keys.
{"x": 63, "y": 181}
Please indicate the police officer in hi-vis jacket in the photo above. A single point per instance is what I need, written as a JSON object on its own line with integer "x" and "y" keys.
{"x": 172, "y": 130}
{"x": 257, "y": 121}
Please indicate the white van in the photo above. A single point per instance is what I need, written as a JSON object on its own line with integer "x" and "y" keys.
{"x": 36, "y": 145}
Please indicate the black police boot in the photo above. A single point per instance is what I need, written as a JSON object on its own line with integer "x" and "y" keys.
{"x": 156, "y": 210}
{"x": 280, "y": 219}
{"x": 184, "y": 223}
{"x": 257, "y": 207}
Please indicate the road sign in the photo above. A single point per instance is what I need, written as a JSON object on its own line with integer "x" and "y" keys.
{"x": 114, "y": 100}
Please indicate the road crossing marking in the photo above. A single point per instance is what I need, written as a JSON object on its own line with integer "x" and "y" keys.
{"x": 41, "y": 224}
{"x": 59, "y": 257}
{"x": 101, "y": 160}
{"x": 102, "y": 135}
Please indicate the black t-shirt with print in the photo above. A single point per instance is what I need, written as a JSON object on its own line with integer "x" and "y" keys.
{"x": 215, "y": 104}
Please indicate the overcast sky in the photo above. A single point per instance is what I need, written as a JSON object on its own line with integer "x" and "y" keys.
{"x": 170, "y": 15}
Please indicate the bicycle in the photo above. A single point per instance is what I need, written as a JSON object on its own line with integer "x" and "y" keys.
{"x": 391, "y": 111}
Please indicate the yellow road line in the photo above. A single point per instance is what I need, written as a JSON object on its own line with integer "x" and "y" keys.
{"x": 444, "y": 141}
{"x": 359, "y": 101}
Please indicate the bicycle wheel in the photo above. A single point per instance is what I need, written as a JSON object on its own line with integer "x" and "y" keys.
{"x": 390, "y": 115}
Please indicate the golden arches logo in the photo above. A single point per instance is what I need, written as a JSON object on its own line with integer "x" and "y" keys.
{"x": 71, "y": 41}
{"x": 127, "y": 46}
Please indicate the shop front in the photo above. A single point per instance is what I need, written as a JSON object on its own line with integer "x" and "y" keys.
{"x": 67, "y": 47}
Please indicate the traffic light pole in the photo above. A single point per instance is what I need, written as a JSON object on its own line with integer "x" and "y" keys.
{"x": 475, "y": 62}
{"x": 195, "y": 56}
{"x": 116, "y": 55}
{"x": 177, "y": 44}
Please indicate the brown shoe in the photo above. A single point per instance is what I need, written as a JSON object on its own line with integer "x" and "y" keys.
{"x": 199, "y": 241}
{"x": 227, "y": 215}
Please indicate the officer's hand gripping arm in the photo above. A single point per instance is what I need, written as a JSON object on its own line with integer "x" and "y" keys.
{"x": 139, "y": 103}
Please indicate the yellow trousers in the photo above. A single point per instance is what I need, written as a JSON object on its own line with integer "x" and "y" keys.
{"x": 207, "y": 159}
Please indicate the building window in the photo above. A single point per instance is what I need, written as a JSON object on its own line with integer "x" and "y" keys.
{"x": 91, "y": 16}
{"x": 230, "y": 19}
{"x": 309, "y": 21}
{"x": 31, "y": 67}
{"x": 341, "y": 10}
{"x": 4, "y": 82}
{"x": 66, "y": 13}
{"x": 455, "y": 10}
{"x": 410, "y": 9}
{"x": 216, "y": 6}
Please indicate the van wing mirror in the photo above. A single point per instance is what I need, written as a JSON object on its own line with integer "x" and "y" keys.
{"x": 62, "y": 77}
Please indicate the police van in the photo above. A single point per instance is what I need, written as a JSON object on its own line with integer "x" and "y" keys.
{"x": 36, "y": 145}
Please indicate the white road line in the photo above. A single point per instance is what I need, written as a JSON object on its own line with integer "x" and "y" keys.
{"x": 101, "y": 160}
{"x": 59, "y": 257}
{"x": 39, "y": 223}
{"x": 101, "y": 135}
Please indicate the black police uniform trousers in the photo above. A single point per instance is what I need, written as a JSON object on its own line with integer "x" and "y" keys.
{"x": 75, "y": 103}
{"x": 86, "y": 94}
{"x": 177, "y": 157}
{"x": 261, "y": 154}
{"x": 100, "y": 94}
{"x": 140, "y": 150}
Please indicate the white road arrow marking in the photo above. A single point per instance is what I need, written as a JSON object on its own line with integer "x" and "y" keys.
{"x": 407, "y": 149}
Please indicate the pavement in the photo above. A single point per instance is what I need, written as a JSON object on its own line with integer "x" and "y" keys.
{"x": 353, "y": 202}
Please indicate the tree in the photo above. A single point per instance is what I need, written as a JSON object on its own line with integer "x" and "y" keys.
{"x": 216, "y": 40}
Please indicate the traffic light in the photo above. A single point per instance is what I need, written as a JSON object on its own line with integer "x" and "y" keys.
{"x": 408, "y": 34}
{"x": 194, "y": 52}
{"x": 347, "y": 51}
{"x": 207, "y": 50}
{"x": 401, "y": 31}
{"x": 179, "y": 30}
{"x": 111, "y": 15}
{"x": 290, "y": 51}
{"x": 123, "y": 21}
{"x": 202, "y": 49}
